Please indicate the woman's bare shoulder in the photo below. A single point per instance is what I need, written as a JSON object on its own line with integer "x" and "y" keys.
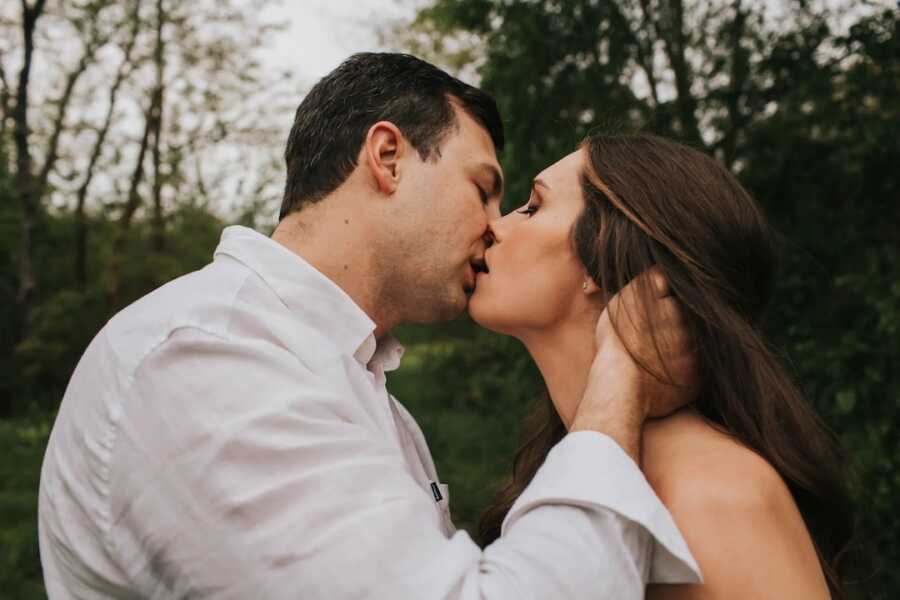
{"x": 688, "y": 459}
{"x": 735, "y": 512}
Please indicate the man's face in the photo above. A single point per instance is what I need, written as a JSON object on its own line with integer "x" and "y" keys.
{"x": 445, "y": 206}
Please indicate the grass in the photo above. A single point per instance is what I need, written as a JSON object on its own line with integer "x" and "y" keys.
{"x": 22, "y": 443}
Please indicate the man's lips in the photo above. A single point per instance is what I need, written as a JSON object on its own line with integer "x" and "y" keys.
{"x": 472, "y": 276}
{"x": 477, "y": 268}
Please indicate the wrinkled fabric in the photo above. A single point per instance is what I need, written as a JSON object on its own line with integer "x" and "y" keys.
{"x": 230, "y": 435}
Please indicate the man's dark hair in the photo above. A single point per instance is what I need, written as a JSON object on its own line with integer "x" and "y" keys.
{"x": 331, "y": 123}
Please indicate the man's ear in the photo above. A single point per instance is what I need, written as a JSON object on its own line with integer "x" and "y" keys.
{"x": 383, "y": 149}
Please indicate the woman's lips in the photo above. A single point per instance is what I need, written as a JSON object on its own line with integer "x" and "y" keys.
{"x": 472, "y": 277}
{"x": 477, "y": 268}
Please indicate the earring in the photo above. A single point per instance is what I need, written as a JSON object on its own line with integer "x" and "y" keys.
{"x": 584, "y": 285}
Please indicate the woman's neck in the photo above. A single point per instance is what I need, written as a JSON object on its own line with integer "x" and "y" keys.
{"x": 563, "y": 355}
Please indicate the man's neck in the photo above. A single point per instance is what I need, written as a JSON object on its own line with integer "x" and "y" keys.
{"x": 339, "y": 243}
{"x": 563, "y": 355}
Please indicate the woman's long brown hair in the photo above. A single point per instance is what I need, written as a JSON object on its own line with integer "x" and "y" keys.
{"x": 651, "y": 201}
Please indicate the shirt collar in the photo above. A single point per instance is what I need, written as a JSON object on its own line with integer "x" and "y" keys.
{"x": 310, "y": 295}
{"x": 387, "y": 354}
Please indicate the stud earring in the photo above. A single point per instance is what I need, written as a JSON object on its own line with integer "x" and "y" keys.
{"x": 584, "y": 285}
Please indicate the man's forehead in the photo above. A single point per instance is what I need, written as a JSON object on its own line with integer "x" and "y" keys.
{"x": 475, "y": 146}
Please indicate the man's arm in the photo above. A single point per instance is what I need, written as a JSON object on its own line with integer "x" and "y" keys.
{"x": 642, "y": 322}
{"x": 238, "y": 473}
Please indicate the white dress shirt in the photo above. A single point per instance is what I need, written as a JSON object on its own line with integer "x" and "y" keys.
{"x": 229, "y": 435}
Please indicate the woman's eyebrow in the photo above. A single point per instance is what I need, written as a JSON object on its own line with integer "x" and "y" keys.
{"x": 536, "y": 183}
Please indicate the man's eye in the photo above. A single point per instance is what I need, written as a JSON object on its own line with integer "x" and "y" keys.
{"x": 528, "y": 210}
{"x": 483, "y": 194}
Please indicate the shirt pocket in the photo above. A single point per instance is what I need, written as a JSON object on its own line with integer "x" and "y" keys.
{"x": 444, "y": 509}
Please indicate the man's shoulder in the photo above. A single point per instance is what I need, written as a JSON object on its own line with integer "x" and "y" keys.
{"x": 211, "y": 300}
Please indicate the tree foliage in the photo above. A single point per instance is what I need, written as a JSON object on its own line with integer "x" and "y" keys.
{"x": 119, "y": 135}
{"x": 801, "y": 105}
{"x": 800, "y": 102}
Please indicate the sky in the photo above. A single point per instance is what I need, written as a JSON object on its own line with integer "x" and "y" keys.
{"x": 322, "y": 33}
{"x": 317, "y": 36}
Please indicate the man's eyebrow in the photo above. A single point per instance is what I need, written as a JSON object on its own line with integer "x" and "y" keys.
{"x": 497, "y": 185}
{"x": 538, "y": 182}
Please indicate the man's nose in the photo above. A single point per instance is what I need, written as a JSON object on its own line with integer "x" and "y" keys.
{"x": 489, "y": 237}
{"x": 497, "y": 228}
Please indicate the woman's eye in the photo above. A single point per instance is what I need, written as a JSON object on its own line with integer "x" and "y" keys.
{"x": 483, "y": 194}
{"x": 528, "y": 210}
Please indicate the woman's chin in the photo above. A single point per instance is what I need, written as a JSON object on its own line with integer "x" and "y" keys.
{"x": 480, "y": 309}
{"x": 488, "y": 314}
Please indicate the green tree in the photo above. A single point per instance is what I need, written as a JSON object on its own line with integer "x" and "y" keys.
{"x": 86, "y": 188}
{"x": 801, "y": 107}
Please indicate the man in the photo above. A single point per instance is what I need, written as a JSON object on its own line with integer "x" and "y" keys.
{"x": 229, "y": 435}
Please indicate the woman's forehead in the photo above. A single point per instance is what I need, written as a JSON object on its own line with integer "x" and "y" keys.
{"x": 564, "y": 173}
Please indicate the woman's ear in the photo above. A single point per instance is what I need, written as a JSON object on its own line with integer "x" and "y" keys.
{"x": 589, "y": 286}
{"x": 383, "y": 148}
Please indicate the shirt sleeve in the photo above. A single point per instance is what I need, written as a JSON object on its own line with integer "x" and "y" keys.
{"x": 238, "y": 473}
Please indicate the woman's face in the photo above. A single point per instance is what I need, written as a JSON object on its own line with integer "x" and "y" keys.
{"x": 534, "y": 278}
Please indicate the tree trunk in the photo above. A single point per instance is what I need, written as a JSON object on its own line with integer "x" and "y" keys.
{"x": 24, "y": 180}
{"x": 4, "y": 102}
{"x": 675, "y": 47}
{"x": 158, "y": 224}
{"x": 740, "y": 70}
{"x": 81, "y": 230}
{"x": 114, "y": 283}
{"x": 151, "y": 127}
{"x": 59, "y": 121}
{"x": 645, "y": 53}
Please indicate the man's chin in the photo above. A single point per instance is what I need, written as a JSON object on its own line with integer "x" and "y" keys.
{"x": 447, "y": 309}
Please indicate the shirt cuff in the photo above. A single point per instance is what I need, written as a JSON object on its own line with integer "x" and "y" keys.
{"x": 589, "y": 469}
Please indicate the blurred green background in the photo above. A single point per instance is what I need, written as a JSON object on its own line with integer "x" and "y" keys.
{"x": 99, "y": 205}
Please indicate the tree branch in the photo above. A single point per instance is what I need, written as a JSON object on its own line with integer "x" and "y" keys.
{"x": 740, "y": 70}
{"x": 94, "y": 42}
{"x": 674, "y": 44}
{"x": 645, "y": 54}
{"x": 158, "y": 59}
{"x": 5, "y": 97}
{"x": 60, "y": 120}
{"x": 114, "y": 269}
{"x": 137, "y": 175}
{"x": 122, "y": 73}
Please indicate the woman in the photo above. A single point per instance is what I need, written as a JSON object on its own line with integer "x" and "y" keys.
{"x": 750, "y": 474}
